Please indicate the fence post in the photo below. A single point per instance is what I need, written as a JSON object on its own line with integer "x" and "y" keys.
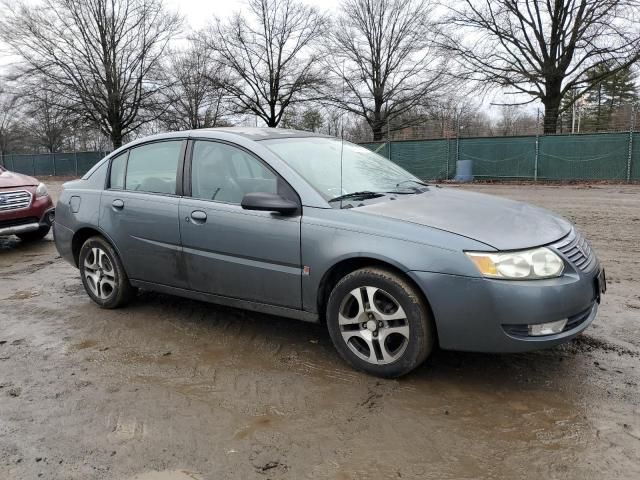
{"x": 33, "y": 165}
{"x": 389, "y": 140}
{"x": 535, "y": 161}
{"x": 53, "y": 155}
{"x": 446, "y": 175}
{"x": 75, "y": 161}
{"x": 457, "y": 141}
{"x": 631, "y": 129}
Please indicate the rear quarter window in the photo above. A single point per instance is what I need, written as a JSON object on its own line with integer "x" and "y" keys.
{"x": 118, "y": 167}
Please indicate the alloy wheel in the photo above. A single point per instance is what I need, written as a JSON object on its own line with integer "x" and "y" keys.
{"x": 373, "y": 325}
{"x": 99, "y": 273}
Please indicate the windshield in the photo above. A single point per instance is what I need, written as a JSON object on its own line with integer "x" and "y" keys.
{"x": 317, "y": 160}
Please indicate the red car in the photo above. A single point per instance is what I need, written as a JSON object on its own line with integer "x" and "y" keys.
{"x": 26, "y": 209}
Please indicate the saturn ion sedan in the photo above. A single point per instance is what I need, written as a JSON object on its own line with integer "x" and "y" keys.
{"x": 305, "y": 226}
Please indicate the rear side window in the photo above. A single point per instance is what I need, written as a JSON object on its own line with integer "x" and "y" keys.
{"x": 153, "y": 168}
{"x": 118, "y": 166}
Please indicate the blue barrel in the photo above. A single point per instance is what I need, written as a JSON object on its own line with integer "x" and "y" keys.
{"x": 464, "y": 171}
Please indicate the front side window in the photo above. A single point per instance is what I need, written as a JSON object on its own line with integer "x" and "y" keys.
{"x": 225, "y": 173}
{"x": 336, "y": 168}
{"x": 153, "y": 168}
{"x": 118, "y": 166}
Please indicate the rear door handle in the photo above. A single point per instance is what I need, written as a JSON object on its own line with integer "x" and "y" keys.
{"x": 117, "y": 204}
{"x": 199, "y": 216}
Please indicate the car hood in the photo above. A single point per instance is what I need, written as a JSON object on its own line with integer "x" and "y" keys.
{"x": 498, "y": 222}
{"x": 12, "y": 179}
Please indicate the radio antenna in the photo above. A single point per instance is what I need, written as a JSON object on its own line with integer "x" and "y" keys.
{"x": 342, "y": 133}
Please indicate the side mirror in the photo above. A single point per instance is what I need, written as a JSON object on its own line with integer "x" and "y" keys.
{"x": 268, "y": 202}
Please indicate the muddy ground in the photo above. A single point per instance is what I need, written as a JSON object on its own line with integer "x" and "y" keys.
{"x": 176, "y": 389}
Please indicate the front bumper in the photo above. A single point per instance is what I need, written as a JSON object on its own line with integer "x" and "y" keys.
{"x": 40, "y": 214}
{"x": 485, "y": 315}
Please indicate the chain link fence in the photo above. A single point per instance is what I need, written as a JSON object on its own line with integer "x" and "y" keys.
{"x": 45, "y": 164}
{"x": 600, "y": 156}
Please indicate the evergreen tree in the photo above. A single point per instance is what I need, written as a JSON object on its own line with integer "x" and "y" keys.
{"x": 609, "y": 95}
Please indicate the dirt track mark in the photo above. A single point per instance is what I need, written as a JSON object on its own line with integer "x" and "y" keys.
{"x": 33, "y": 268}
{"x": 588, "y": 343}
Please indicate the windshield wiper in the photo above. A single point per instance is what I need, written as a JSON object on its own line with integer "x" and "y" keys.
{"x": 364, "y": 195}
{"x": 409, "y": 190}
{"x": 414, "y": 181}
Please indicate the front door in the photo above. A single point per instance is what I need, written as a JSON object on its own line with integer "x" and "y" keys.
{"x": 140, "y": 212}
{"x": 233, "y": 252}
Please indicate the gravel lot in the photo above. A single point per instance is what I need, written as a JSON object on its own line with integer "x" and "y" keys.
{"x": 175, "y": 389}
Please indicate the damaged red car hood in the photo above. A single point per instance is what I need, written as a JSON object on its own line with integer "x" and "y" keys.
{"x": 11, "y": 179}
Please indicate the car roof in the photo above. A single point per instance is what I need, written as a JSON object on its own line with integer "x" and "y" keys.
{"x": 258, "y": 133}
{"x": 223, "y": 133}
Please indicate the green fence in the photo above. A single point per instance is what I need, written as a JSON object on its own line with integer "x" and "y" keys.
{"x": 604, "y": 156}
{"x": 43, "y": 164}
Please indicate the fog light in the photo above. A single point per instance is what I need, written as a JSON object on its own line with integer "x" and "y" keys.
{"x": 550, "y": 328}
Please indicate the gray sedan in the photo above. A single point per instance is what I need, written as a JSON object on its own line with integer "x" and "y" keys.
{"x": 310, "y": 227}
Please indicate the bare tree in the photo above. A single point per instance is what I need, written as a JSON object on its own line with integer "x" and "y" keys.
{"x": 48, "y": 121}
{"x": 452, "y": 114}
{"x": 9, "y": 119}
{"x": 544, "y": 49}
{"x": 193, "y": 91}
{"x": 333, "y": 120}
{"x": 86, "y": 138}
{"x": 268, "y": 55}
{"x": 97, "y": 55}
{"x": 382, "y": 54}
{"x": 514, "y": 120}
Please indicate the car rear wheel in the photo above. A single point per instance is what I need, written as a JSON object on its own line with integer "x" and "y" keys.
{"x": 379, "y": 323}
{"x": 35, "y": 235}
{"x": 103, "y": 275}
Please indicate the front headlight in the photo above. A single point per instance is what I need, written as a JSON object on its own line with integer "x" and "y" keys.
{"x": 523, "y": 265}
{"x": 41, "y": 190}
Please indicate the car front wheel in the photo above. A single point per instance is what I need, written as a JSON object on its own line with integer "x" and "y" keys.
{"x": 103, "y": 275}
{"x": 379, "y": 323}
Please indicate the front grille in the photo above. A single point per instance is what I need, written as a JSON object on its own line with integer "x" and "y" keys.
{"x": 17, "y": 222}
{"x": 14, "y": 200}
{"x": 577, "y": 250}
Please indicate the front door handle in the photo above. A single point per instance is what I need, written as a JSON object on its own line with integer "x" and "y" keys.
{"x": 199, "y": 216}
{"x": 117, "y": 204}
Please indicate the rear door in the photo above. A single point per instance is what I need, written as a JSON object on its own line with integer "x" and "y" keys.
{"x": 140, "y": 211}
{"x": 233, "y": 252}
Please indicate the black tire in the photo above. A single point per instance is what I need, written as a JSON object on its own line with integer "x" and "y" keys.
{"x": 388, "y": 289}
{"x": 35, "y": 235}
{"x": 117, "y": 291}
